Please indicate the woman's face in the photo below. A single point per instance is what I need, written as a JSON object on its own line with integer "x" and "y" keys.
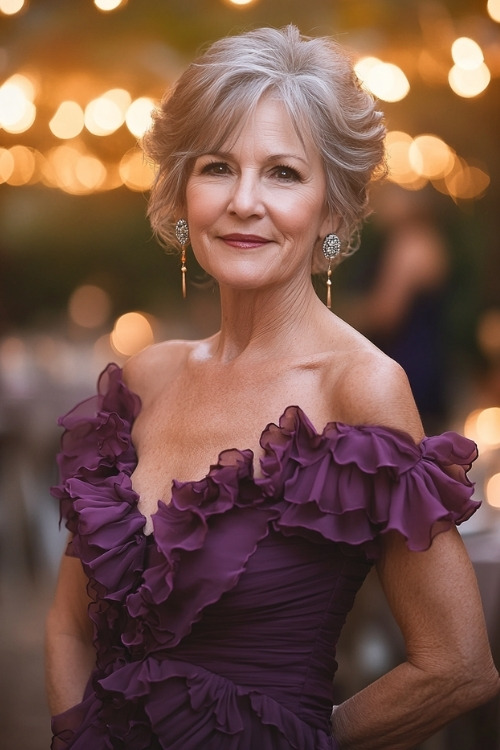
{"x": 257, "y": 207}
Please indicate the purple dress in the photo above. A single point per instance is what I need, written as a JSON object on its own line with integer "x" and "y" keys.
{"x": 218, "y": 630}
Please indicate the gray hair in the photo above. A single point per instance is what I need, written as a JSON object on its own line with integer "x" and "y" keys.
{"x": 315, "y": 80}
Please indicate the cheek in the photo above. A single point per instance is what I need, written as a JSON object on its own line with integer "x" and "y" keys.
{"x": 203, "y": 207}
{"x": 302, "y": 218}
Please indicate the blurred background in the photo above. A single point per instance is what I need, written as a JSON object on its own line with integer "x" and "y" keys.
{"x": 83, "y": 282}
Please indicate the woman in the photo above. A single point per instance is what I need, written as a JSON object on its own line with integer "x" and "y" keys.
{"x": 215, "y": 599}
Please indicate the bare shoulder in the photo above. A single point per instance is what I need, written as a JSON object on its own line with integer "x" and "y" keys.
{"x": 374, "y": 389}
{"x": 150, "y": 370}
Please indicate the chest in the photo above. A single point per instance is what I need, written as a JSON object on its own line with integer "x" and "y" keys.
{"x": 180, "y": 433}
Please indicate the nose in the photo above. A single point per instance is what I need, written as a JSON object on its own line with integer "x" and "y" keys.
{"x": 246, "y": 196}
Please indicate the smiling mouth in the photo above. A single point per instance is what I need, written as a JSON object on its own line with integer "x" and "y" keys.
{"x": 244, "y": 240}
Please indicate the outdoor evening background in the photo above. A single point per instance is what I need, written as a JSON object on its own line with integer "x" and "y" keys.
{"x": 83, "y": 281}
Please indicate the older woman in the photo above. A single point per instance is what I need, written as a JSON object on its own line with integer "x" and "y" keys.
{"x": 213, "y": 559}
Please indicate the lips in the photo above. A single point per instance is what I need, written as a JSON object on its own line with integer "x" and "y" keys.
{"x": 244, "y": 240}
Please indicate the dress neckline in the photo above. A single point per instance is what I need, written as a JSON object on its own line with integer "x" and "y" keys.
{"x": 273, "y": 440}
{"x": 346, "y": 484}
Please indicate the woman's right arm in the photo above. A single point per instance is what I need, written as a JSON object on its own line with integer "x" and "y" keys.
{"x": 69, "y": 652}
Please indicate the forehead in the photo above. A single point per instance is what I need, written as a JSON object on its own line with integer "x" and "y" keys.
{"x": 270, "y": 125}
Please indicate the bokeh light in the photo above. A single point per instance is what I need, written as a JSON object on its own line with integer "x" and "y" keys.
{"x": 493, "y": 491}
{"x": 90, "y": 172}
{"x": 131, "y": 333}
{"x": 138, "y": 117}
{"x": 466, "y": 182}
{"x": 17, "y": 110}
{"x": 103, "y": 116}
{"x": 89, "y": 306}
{"x": 401, "y": 169}
{"x": 25, "y": 84}
{"x": 68, "y": 120}
{"x": 430, "y": 156}
{"x": 467, "y": 53}
{"x": 470, "y": 75}
{"x": 483, "y": 426}
{"x": 6, "y": 164}
{"x": 108, "y": 5}
{"x": 488, "y": 426}
{"x": 24, "y": 165}
{"x": 385, "y": 80}
{"x": 493, "y": 8}
{"x": 73, "y": 169}
{"x": 11, "y": 7}
{"x": 77, "y": 107}
{"x": 469, "y": 83}
{"x": 364, "y": 67}
{"x": 121, "y": 98}
{"x": 136, "y": 173}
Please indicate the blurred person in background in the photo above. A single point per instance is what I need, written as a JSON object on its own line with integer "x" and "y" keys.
{"x": 399, "y": 300}
{"x": 201, "y": 598}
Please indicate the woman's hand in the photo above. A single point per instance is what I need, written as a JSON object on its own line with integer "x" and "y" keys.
{"x": 449, "y": 669}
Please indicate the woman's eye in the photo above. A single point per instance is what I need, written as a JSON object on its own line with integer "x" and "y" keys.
{"x": 215, "y": 167}
{"x": 286, "y": 174}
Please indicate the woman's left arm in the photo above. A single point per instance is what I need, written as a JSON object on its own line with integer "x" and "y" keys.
{"x": 449, "y": 669}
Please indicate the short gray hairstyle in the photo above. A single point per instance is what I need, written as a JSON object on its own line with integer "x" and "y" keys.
{"x": 315, "y": 80}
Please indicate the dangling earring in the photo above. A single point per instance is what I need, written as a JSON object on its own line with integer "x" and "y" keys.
{"x": 331, "y": 248}
{"x": 182, "y": 234}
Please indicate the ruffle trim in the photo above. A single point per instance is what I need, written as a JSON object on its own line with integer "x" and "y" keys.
{"x": 349, "y": 484}
{"x": 187, "y": 704}
{"x": 352, "y": 483}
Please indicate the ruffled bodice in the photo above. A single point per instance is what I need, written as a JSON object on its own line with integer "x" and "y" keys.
{"x": 218, "y": 630}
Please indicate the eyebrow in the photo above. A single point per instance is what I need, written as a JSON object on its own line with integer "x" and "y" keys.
{"x": 271, "y": 157}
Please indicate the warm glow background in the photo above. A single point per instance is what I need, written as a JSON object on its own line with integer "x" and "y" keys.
{"x": 82, "y": 280}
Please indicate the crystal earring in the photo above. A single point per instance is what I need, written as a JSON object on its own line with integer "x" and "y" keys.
{"x": 331, "y": 248}
{"x": 182, "y": 234}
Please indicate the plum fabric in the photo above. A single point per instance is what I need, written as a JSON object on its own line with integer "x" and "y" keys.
{"x": 218, "y": 630}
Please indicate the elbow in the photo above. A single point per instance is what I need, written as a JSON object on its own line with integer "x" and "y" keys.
{"x": 463, "y": 683}
{"x": 488, "y": 685}
{"x": 478, "y": 684}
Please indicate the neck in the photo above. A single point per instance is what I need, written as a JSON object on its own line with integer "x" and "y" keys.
{"x": 267, "y": 323}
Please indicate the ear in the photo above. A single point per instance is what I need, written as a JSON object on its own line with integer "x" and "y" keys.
{"x": 330, "y": 224}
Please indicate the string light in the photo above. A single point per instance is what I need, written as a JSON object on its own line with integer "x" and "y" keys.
{"x": 138, "y": 117}
{"x": 469, "y": 83}
{"x": 68, "y": 120}
{"x": 103, "y": 116}
{"x": 430, "y": 156}
{"x": 493, "y": 8}
{"x": 470, "y": 75}
{"x": 108, "y": 5}
{"x": 11, "y": 7}
{"x": 467, "y": 53}
{"x": 401, "y": 170}
{"x": 6, "y": 164}
{"x": 24, "y": 165}
{"x": 17, "y": 111}
{"x": 135, "y": 172}
{"x": 413, "y": 161}
{"x": 385, "y": 80}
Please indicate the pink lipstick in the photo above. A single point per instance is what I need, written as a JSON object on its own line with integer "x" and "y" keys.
{"x": 245, "y": 241}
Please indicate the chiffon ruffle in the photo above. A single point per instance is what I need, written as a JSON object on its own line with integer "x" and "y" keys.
{"x": 150, "y": 593}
